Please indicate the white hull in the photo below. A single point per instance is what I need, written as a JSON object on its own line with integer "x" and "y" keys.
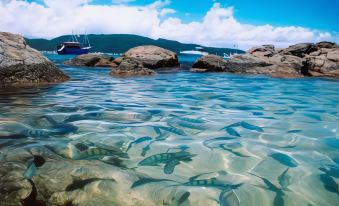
{"x": 193, "y": 52}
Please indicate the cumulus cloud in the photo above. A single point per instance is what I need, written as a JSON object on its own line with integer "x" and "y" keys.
{"x": 166, "y": 11}
{"x": 121, "y": 1}
{"x": 159, "y": 4}
{"x": 218, "y": 28}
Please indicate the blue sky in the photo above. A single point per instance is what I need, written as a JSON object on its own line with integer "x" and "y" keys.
{"x": 323, "y": 15}
{"x": 220, "y": 23}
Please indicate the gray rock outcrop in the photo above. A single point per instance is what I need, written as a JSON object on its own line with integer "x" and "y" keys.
{"x": 144, "y": 60}
{"x": 153, "y": 57}
{"x": 319, "y": 60}
{"x": 91, "y": 60}
{"x": 209, "y": 63}
{"x": 131, "y": 67}
{"x": 20, "y": 65}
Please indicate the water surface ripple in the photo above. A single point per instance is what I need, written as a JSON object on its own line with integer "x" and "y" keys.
{"x": 220, "y": 139}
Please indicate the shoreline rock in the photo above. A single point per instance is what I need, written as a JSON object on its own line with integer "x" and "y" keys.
{"x": 131, "y": 67}
{"x": 300, "y": 60}
{"x": 209, "y": 63}
{"x": 153, "y": 57}
{"x": 20, "y": 65}
{"x": 144, "y": 60}
{"x": 91, "y": 60}
{"x": 138, "y": 61}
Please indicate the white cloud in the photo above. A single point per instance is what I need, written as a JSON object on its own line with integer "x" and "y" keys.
{"x": 159, "y": 4}
{"x": 166, "y": 11}
{"x": 121, "y": 1}
{"x": 218, "y": 28}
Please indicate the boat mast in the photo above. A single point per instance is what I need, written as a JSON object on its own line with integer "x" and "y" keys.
{"x": 86, "y": 40}
{"x": 73, "y": 37}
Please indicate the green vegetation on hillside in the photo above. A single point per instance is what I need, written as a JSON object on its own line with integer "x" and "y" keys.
{"x": 120, "y": 43}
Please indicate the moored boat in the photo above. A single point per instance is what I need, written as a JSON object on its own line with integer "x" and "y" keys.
{"x": 73, "y": 47}
{"x": 199, "y": 51}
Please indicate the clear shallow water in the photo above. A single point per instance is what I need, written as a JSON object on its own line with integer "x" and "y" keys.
{"x": 252, "y": 140}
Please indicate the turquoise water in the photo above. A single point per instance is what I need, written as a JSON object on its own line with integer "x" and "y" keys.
{"x": 176, "y": 139}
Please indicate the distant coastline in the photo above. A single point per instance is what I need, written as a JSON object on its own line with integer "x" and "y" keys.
{"x": 120, "y": 43}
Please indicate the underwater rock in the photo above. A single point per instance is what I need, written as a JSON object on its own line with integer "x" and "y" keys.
{"x": 92, "y": 60}
{"x": 14, "y": 187}
{"x": 54, "y": 180}
{"x": 20, "y": 65}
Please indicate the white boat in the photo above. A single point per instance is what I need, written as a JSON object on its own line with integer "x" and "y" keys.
{"x": 230, "y": 55}
{"x": 199, "y": 51}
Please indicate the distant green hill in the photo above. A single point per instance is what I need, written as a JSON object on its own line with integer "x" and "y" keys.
{"x": 120, "y": 43}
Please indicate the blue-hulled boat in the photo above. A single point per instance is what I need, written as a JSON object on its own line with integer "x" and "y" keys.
{"x": 73, "y": 47}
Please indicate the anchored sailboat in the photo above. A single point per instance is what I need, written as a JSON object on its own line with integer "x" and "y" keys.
{"x": 230, "y": 55}
{"x": 73, "y": 47}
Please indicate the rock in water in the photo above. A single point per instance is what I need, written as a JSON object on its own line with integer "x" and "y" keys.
{"x": 142, "y": 60}
{"x": 153, "y": 57}
{"x": 131, "y": 67}
{"x": 324, "y": 62}
{"x": 92, "y": 60}
{"x": 209, "y": 63}
{"x": 300, "y": 60}
{"x": 244, "y": 62}
{"x": 20, "y": 65}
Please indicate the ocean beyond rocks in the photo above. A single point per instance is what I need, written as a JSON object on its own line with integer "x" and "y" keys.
{"x": 20, "y": 65}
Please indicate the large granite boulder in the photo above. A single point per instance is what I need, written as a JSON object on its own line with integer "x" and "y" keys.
{"x": 153, "y": 57}
{"x": 300, "y": 50}
{"x": 243, "y": 61}
{"x": 324, "y": 62}
{"x": 143, "y": 60}
{"x": 262, "y": 51}
{"x": 20, "y": 65}
{"x": 325, "y": 44}
{"x": 277, "y": 66}
{"x": 92, "y": 60}
{"x": 209, "y": 63}
{"x": 131, "y": 67}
